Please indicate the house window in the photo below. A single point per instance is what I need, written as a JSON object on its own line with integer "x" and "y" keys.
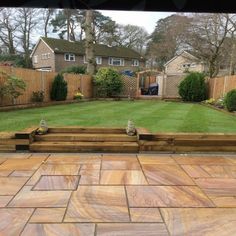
{"x": 99, "y": 60}
{"x": 116, "y": 61}
{"x": 36, "y": 59}
{"x": 44, "y": 56}
{"x": 69, "y": 57}
{"x": 135, "y": 62}
{"x": 186, "y": 65}
{"x": 49, "y": 55}
{"x": 193, "y": 65}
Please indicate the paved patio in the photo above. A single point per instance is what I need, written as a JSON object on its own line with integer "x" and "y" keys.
{"x": 119, "y": 195}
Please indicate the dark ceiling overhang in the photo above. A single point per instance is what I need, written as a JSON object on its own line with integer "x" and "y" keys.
{"x": 134, "y": 5}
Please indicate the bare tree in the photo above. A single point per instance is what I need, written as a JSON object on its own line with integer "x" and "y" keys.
{"x": 46, "y": 17}
{"x": 167, "y": 39}
{"x": 89, "y": 42}
{"x": 206, "y": 37}
{"x": 8, "y": 28}
{"x": 27, "y": 20}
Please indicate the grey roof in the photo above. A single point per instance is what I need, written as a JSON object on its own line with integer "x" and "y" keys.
{"x": 64, "y": 46}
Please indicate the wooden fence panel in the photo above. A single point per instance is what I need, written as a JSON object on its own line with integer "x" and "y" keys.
{"x": 219, "y": 86}
{"x": 42, "y": 81}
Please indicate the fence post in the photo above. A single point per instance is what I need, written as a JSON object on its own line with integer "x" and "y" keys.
{"x": 214, "y": 86}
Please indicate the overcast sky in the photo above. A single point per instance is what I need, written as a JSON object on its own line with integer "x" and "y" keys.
{"x": 145, "y": 19}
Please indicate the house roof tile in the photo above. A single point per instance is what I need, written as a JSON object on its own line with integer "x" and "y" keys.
{"x": 64, "y": 46}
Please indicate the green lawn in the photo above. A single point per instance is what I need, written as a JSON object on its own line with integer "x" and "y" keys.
{"x": 154, "y": 115}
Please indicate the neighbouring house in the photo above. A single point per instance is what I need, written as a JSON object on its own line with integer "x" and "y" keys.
{"x": 184, "y": 62}
{"x": 50, "y": 54}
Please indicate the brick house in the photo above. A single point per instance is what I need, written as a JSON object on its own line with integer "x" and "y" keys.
{"x": 184, "y": 62}
{"x": 51, "y": 54}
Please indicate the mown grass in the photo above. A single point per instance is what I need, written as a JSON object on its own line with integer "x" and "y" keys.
{"x": 157, "y": 116}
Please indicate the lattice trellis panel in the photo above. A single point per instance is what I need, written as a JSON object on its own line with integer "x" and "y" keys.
{"x": 171, "y": 85}
{"x": 129, "y": 86}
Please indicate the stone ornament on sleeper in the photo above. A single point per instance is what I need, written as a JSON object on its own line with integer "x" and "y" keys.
{"x": 130, "y": 129}
{"x": 43, "y": 128}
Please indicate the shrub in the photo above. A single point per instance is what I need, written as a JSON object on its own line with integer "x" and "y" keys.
{"x": 59, "y": 88}
{"x": 12, "y": 87}
{"x": 230, "y": 100}
{"x": 38, "y": 96}
{"x": 193, "y": 88}
{"x": 75, "y": 70}
{"x": 108, "y": 82}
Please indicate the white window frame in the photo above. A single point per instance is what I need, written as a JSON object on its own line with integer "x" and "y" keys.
{"x": 69, "y": 57}
{"x": 48, "y": 55}
{"x": 98, "y": 60}
{"x": 135, "y": 62}
{"x": 35, "y": 59}
{"x": 193, "y": 65}
{"x": 111, "y": 61}
{"x": 85, "y": 61}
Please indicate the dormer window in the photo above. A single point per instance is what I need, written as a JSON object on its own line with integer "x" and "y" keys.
{"x": 69, "y": 57}
{"x": 135, "y": 62}
{"x": 113, "y": 61}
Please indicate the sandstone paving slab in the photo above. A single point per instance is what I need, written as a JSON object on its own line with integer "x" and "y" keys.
{"x": 145, "y": 215}
{"x": 122, "y": 177}
{"x": 28, "y": 198}
{"x": 22, "y": 164}
{"x": 131, "y": 229}
{"x": 195, "y": 171}
{"x": 120, "y": 163}
{"x": 2, "y": 160}
{"x": 74, "y": 159}
{"x": 49, "y": 169}
{"x": 22, "y": 173}
{"x": 220, "y": 171}
{"x": 202, "y": 160}
{"x": 232, "y": 159}
{"x": 59, "y": 230}
{"x": 15, "y": 155}
{"x": 57, "y": 182}
{"x": 98, "y": 204}
{"x": 166, "y": 175}
{"x": 155, "y": 159}
{"x": 167, "y": 196}
{"x": 200, "y": 221}
{"x": 214, "y": 171}
{"x": 12, "y": 221}
{"x": 11, "y": 185}
{"x": 217, "y": 186}
{"x": 4, "y": 173}
{"x": 224, "y": 201}
{"x": 89, "y": 177}
{"x": 36, "y": 155}
{"x": 4, "y": 200}
{"x": 48, "y": 215}
{"x": 96, "y": 166}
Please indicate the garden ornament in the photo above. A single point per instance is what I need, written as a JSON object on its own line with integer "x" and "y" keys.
{"x": 130, "y": 129}
{"x": 43, "y": 128}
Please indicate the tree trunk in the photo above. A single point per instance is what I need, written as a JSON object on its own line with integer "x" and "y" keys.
{"x": 232, "y": 60}
{"x": 89, "y": 42}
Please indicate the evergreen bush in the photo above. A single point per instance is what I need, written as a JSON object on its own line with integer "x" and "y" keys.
{"x": 230, "y": 100}
{"x": 108, "y": 82}
{"x": 193, "y": 88}
{"x": 59, "y": 89}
